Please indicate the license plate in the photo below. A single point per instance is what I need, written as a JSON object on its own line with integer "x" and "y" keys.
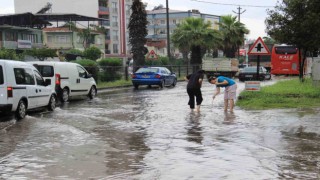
{"x": 145, "y": 76}
{"x": 248, "y": 75}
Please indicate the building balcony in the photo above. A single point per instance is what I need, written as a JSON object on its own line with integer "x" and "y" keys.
{"x": 105, "y": 23}
{"x": 20, "y": 44}
{"x": 157, "y": 36}
{"x": 156, "y": 43}
{"x": 104, "y": 10}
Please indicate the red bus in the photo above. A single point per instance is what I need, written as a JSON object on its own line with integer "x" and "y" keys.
{"x": 284, "y": 60}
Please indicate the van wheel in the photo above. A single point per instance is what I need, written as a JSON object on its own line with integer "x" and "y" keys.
{"x": 65, "y": 95}
{"x": 93, "y": 92}
{"x": 21, "y": 110}
{"x": 52, "y": 103}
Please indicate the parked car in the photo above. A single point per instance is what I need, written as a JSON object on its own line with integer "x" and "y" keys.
{"x": 68, "y": 79}
{"x": 250, "y": 73}
{"x": 22, "y": 88}
{"x": 160, "y": 76}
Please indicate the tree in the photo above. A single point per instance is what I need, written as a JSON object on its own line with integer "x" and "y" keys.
{"x": 195, "y": 35}
{"x": 92, "y": 53}
{"x": 84, "y": 34}
{"x": 233, "y": 33}
{"x": 268, "y": 40}
{"x": 41, "y": 54}
{"x": 138, "y": 32}
{"x": 297, "y": 23}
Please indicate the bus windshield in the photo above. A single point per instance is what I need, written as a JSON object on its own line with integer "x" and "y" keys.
{"x": 286, "y": 50}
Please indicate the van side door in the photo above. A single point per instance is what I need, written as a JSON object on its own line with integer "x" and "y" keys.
{"x": 83, "y": 81}
{"x": 43, "y": 91}
{"x": 25, "y": 86}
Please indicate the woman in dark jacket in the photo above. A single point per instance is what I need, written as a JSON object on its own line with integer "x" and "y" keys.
{"x": 194, "y": 89}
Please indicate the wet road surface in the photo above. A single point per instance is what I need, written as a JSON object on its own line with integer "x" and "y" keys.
{"x": 152, "y": 134}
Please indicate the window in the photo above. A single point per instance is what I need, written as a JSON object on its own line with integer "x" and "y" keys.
{"x": 11, "y": 36}
{"x": 162, "y": 22}
{"x": 115, "y": 49}
{"x": 62, "y": 39}
{"x": 39, "y": 79}
{"x": 24, "y": 76}
{"x": 174, "y": 21}
{"x": 82, "y": 72}
{"x": 45, "y": 71}
{"x": 286, "y": 50}
{"x": 50, "y": 39}
{"x": 114, "y": 5}
{"x": 1, "y": 76}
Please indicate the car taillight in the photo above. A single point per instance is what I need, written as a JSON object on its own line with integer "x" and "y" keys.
{"x": 58, "y": 79}
{"x": 9, "y": 91}
{"x": 133, "y": 76}
{"x": 158, "y": 76}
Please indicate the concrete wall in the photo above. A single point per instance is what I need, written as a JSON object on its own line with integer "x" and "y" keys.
{"x": 82, "y": 7}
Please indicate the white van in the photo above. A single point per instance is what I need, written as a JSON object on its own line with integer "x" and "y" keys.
{"x": 68, "y": 79}
{"x": 22, "y": 88}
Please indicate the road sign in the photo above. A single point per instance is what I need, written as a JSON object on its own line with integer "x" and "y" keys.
{"x": 252, "y": 85}
{"x": 259, "y": 48}
{"x": 152, "y": 55}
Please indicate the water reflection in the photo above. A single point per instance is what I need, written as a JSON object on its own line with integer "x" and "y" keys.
{"x": 194, "y": 130}
{"x": 302, "y": 154}
{"x": 229, "y": 118}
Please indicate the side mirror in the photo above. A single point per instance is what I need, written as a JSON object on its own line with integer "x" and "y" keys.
{"x": 89, "y": 76}
{"x": 47, "y": 82}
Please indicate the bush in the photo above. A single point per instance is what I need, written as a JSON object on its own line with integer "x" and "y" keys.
{"x": 110, "y": 69}
{"x": 75, "y": 52}
{"x": 92, "y": 53}
{"x": 42, "y": 53}
{"x": 9, "y": 54}
{"x": 110, "y": 62}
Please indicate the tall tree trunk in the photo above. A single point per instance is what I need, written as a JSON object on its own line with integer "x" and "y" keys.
{"x": 196, "y": 55}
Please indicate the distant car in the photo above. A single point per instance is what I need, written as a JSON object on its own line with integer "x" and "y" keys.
{"x": 250, "y": 73}
{"x": 241, "y": 66}
{"x": 160, "y": 76}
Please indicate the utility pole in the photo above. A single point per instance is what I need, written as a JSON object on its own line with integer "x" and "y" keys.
{"x": 168, "y": 29}
{"x": 239, "y": 12}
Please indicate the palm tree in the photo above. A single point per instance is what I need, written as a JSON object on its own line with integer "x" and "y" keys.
{"x": 195, "y": 35}
{"x": 138, "y": 32}
{"x": 233, "y": 33}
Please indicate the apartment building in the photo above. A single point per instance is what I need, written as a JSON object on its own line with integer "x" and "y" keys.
{"x": 157, "y": 28}
{"x": 117, "y": 13}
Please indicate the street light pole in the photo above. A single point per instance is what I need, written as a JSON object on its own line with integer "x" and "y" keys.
{"x": 168, "y": 29}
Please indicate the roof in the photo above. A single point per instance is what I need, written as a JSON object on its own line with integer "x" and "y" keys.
{"x": 24, "y": 20}
{"x": 17, "y": 28}
{"x": 164, "y": 10}
{"x": 67, "y": 17}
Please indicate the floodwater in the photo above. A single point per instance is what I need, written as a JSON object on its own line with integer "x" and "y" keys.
{"x": 152, "y": 134}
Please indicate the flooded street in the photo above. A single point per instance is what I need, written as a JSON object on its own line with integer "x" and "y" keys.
{"x": 152, "y": 134}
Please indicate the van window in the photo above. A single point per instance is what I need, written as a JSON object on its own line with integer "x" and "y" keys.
{"x": 45, "y": 71}
{"x": 1, "y": 75}
{"x": 82, "y": 72}
{"x": 39, "y": 79}
{"x": 24, "y": 76}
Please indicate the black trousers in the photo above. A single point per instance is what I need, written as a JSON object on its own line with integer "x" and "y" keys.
{"x": 194, "y": 93}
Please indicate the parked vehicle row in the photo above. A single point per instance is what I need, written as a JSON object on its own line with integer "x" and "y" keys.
{"x": 250, "y": 73}
{"x": 26, "y": 86}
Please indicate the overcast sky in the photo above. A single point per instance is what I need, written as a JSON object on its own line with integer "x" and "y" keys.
{"x": 253, "y": 17}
